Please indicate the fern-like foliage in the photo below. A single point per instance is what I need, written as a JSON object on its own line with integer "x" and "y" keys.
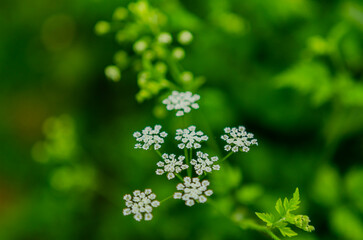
{"x": 284, "y": 217}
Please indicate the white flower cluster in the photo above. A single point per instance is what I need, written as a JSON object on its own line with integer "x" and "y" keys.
{"x": 238, "y": 139}
{"x": 183, "y": 102}
{"x": 193, "y": 190}
{"x": 150, "y": 137}
{"x": 190, "y": 138}
{"x": 204, "y": 164}
{"x": 171, "y": 165}
{"x": 141, "y": 204}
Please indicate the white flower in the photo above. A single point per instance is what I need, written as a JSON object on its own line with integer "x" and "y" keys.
{"x": 183, "y": 102}
{"x": 193, "y": 190}
{"x": 171, "y": 165}
{"x": 150, "y": 137}
{"x": 204, "y": 164}
{"x": 190, "y": 138}
{"x": 185, "y": 37}
{"x": 164, "y": 38}
{"x": 141, "y": 204}
{"x": 238, "y": 139}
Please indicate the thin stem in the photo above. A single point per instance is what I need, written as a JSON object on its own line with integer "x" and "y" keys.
{"x": 203, "y": 176}
{"x": 165, "y": 199}
{"x": 159, "y": 153}
{"x": 208, "y": 130}
{"x": 187, "y": 161}
{"x": 227, "y": 156}
{"x": 246, "y": 223}
{"x": 181, "y": 179}
{"x": 174, "y": 70}
{"x": 249, "y": 224}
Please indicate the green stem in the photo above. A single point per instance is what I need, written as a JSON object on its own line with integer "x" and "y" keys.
{"x": 187, "y": 161}
{"x": 181, "y": 179}
{"x": 249, "y": 224}
{"x": 246, "y": 223}
{"x": 159, "y": 153}
{"x": 201, "y": 177}
{"x": 165, "y": 199}
{"x": 174, "y": 70}
{"x": 227, "y": 156}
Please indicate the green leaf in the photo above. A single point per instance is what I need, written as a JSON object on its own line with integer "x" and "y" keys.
{"x": 287, "y": 232}
{"x": 280, "y": 208}
{"x": 266, "y": 217}
{"x": 294, "y": 202}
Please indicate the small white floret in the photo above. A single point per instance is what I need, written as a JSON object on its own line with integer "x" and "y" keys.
{"x": 190, "y": 138}
{"x": 140, "y": 204}
{"x": 193, "y": 190}
{"x": 238, "y": 139}
{"x": 182, "y": 102}
{"x": 171, "y": 165}
{"x": 150, "y": 137}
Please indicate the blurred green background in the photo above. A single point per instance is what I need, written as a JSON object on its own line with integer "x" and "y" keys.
{"x": 291, "y": 71}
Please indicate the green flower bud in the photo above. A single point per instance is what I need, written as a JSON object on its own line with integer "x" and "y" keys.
{"x": 185, "y": 37}
{"x": 140, "y": 46}
{"x": 186, "y": 77}
{"x": 165, "y": 38}
{"x": 178, "y": 53}
{"x": 102, "y": 27}
{"x": 120, "y": 13}
{"x": 121, "y": 59}
{"x": 161, "y": 67}
{"x": 113, "y": 73}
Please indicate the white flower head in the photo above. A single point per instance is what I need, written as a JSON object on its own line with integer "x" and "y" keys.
{"x": 141, "y": 204}
{"x": 149, "y": 137}
{"x": 204, "y": 163}
{"x": 193, "y": 190}
{"x": 238, "y": 139}
{"x": 190, "y": 138}
{"x": 183, "y": 102}
{"x": 171, "y": 165}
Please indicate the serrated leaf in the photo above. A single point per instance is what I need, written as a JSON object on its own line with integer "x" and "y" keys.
{"x": 266, "y": 217}
{"x": 290, "y": 218}
{"x": 280, "y": 208}
{"x": 287, "y": 232}
{"x": 294, "y": 202}
{"x": 286, "y": 203}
